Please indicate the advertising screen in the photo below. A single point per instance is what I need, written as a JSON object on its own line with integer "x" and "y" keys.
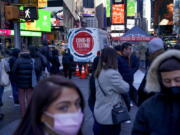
{"x": 177, "y": 12}
{"x": 164, "y": 12}
{"x": 42, "y": 24}
{"x": 118, "y": 14}
{"x": 131, "y": 7}
{"x": 176, "y": 18}
{"x": 42, "y": 3}
{"x": 108, "y": 8}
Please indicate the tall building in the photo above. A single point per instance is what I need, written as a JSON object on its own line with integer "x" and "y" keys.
{"x": 55, "y": 3}
{"x": 88, "y": 3}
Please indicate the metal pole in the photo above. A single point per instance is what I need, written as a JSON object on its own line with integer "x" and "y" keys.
{"x": 17, "y": 38}
{"x": 2, "y": 23}
{"x": 125, "y": 15}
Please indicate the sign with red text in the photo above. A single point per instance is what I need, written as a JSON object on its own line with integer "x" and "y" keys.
{"x": 133, "y": 38}
{"x": 83, "y": 43}
{"x": 118, "y": 14}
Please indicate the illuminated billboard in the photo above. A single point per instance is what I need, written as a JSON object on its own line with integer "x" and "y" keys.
{"x": 163, "y": 12}
{"x": 22, "y": 33}
{"x": 131, "y": 7}
{"x": 118, "y": 14}
{"x": 42, "y": 3}
{"x": 108, "y": 8}
{"x": 176, "y": 18}
{"x": 28, "y": 33}
{"x": 42, "y": 24}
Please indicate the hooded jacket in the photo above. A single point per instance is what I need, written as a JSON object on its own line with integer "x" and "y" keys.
{"x": 159, "y": 115}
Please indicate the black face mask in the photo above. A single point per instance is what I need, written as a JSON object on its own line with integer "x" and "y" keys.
{"x": 173, "y": 92}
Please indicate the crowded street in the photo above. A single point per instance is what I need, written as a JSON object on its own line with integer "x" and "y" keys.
{"x": 89, "y": 67}
{"x": 12, "y": 117}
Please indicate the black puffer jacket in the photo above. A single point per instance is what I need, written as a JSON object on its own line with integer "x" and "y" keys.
{"x": 160, "y": 114}
{"x": 22, "y": 71}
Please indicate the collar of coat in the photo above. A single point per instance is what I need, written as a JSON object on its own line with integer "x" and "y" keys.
{"x": 152, "y": 81}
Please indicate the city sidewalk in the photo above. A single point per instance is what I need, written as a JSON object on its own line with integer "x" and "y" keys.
{"x": 12, "y": 113}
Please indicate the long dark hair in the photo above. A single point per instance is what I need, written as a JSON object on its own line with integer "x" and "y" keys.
{"x": 46, "y": 92}
{"x": 108, "y": 60}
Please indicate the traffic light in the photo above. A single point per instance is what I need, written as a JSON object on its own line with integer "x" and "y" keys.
{"x": 11, "y": 12}
{"x": 30, "y": 13}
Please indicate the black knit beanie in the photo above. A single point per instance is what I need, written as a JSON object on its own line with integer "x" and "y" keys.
{"x": 170, "y": 64}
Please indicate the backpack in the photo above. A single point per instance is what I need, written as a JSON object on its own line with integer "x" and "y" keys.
{"x": 38, "y": 65}
{"x": 4, "y": 77}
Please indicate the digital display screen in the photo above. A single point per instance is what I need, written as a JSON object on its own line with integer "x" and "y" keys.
{"x": 118, "y": 14}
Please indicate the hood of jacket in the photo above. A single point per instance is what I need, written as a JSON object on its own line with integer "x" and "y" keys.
{"x": 25, "y": 55}
{"x": 152, "y": 79}
{"x": 15, "y": 52}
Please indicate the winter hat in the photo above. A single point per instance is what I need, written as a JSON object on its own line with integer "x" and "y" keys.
{"x": 118, "y": 48}
{"x": 170, "y": 64}
{"x": 155, "y": 45}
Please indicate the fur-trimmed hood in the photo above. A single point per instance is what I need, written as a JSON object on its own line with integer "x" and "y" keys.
{"x": 152, "y": 81}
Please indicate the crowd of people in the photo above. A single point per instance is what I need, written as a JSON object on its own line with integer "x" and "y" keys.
{"x": 55, "y": 106}
{"x": 24, "y": 68}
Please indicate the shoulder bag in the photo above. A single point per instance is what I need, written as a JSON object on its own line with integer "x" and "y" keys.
{"x": 119, "y": 112}
{"x": 4, "y": 77}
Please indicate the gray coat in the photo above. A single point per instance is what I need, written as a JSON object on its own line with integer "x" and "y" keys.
{"x": 113, "y": 85}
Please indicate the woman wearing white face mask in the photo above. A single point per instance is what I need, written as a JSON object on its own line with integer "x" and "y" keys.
{"x": 55, "y": 109}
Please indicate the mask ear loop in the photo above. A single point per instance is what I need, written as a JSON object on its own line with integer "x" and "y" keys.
{"x": 48, "y": 127}
{"x": 49, "y": 114}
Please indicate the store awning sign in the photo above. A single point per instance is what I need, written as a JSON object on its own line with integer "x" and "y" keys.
{"x": 23, "y": 33}
{"x": 5, "y": 32}
{"x": 28, "y": 33}
{"x": 133, "y": 38}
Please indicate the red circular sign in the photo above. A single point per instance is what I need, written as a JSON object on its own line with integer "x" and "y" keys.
{"x": 83, "y": 43}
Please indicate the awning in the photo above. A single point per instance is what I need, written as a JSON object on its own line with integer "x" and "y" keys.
{"x": 135, "y": 34}
{"x": 133, "y": 38}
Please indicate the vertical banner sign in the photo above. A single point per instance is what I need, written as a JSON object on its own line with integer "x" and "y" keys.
{"x": 42, "y": 3}
{"x": 108, "y": 8}
{"x": 118, "y": 14}
{"x": 131, "y": 7}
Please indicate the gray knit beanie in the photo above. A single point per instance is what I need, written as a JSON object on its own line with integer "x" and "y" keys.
{"x": 155, "y": 45}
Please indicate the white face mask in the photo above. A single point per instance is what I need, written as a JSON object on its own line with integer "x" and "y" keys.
{"x": 66, "y": 124}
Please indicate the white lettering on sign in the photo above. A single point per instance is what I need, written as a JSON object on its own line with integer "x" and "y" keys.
{"x": 83, "y": 42}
